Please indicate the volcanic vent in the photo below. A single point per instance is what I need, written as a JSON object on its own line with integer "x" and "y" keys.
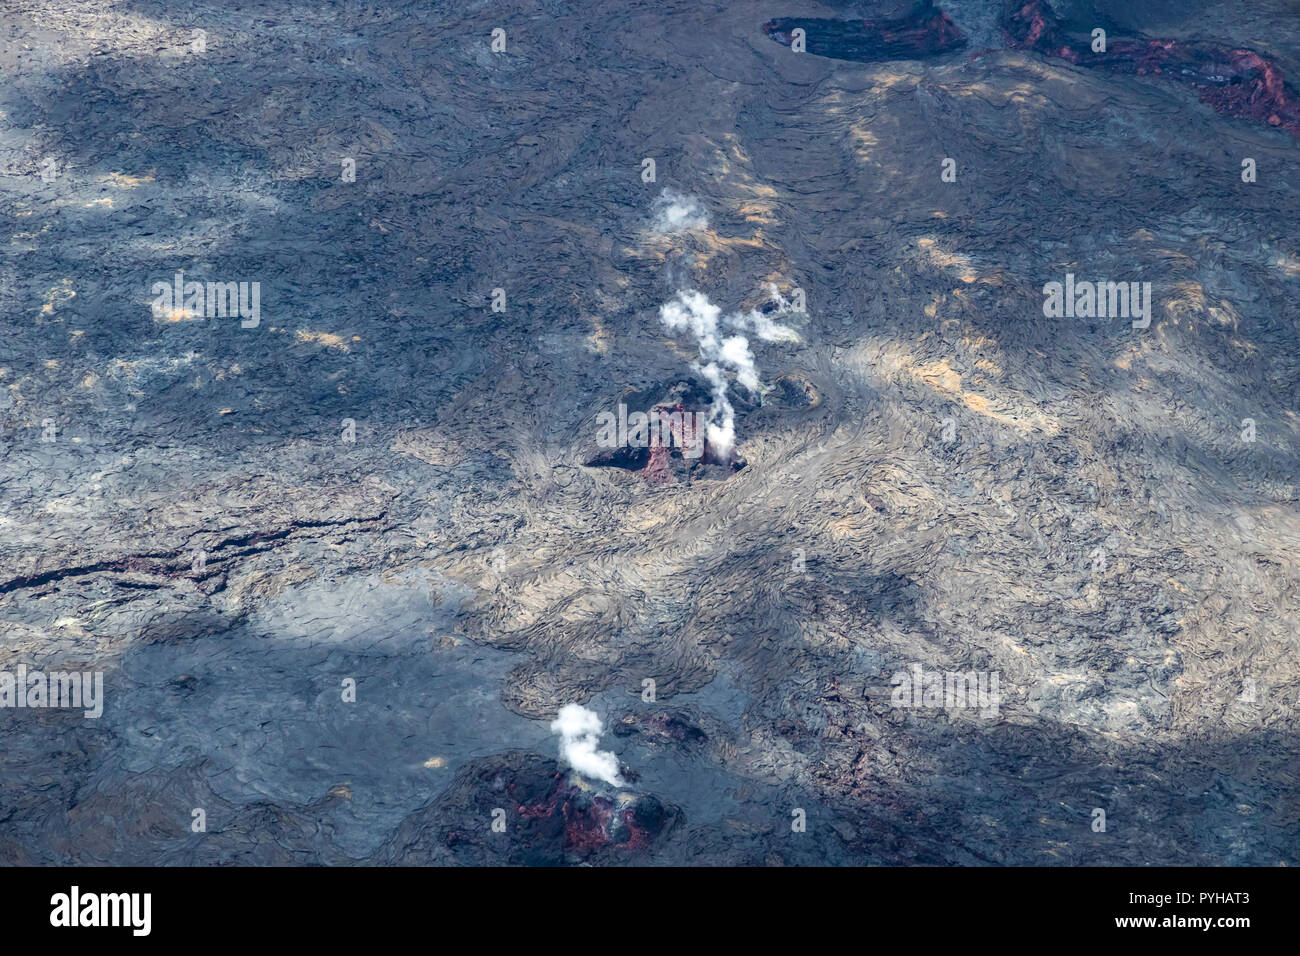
{"x": 659, "y": 433}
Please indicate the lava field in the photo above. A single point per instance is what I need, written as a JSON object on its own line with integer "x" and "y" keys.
{"x": 620, "y": 434}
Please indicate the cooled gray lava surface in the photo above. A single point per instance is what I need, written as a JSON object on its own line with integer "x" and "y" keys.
{"x": 948, "y": 464}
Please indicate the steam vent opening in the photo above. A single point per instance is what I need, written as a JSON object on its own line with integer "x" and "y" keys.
{"x": 664, "y": 441}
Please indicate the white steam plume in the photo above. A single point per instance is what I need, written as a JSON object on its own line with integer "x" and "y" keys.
{"x": 580, "y": 730}
{"x": 675, "y": 213}
{"x": 692, "y": 311}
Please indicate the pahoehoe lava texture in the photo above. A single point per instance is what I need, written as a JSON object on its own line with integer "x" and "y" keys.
{"x": 934, "y": 474}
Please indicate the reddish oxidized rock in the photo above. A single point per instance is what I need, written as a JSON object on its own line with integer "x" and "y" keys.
{"x": 674, "y": 450}
{"x": 1239, "y": 83}
{"x": 593, "y": 821}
